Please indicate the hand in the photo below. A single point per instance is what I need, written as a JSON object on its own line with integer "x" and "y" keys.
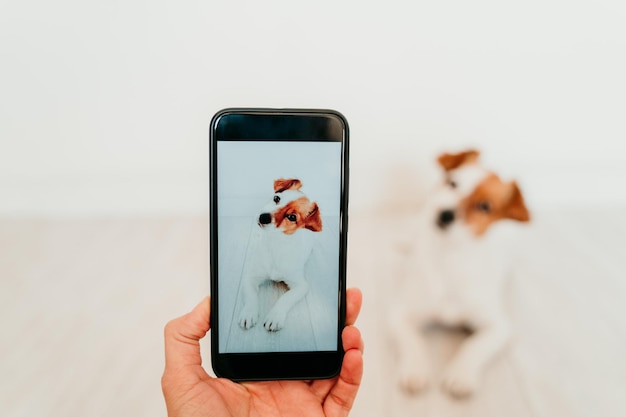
{"x": 190, "y": 391}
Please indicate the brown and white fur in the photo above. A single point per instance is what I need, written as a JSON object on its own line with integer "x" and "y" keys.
{"x": 455, "y": 277}
{"x": 286, "y": 223}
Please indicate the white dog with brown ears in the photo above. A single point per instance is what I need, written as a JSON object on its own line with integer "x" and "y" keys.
{"x": 455, "y": 278}
{"x": 286, "y": 223}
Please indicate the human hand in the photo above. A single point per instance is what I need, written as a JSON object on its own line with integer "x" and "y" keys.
{"x": 190, "y": 391}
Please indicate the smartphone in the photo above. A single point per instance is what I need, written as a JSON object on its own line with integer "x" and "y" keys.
{"x": 278, "y": 233}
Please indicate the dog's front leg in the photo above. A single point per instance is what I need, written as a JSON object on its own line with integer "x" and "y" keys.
{"x": 275, "y": 319}
{"x": 406, "y": 333}
{"x": 462, "y": 375}
{"x": 249, "y": 314}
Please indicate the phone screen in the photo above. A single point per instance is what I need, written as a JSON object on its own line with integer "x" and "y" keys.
{"x": 279, "y": 201}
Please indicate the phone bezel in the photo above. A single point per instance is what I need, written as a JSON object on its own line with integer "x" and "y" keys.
{"x": 276, "y": 125}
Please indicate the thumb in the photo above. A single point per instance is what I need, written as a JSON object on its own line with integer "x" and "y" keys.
{"x": 182, "y": 337}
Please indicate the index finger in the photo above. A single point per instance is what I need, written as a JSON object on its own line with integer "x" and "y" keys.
{"x": 354, "y": 299}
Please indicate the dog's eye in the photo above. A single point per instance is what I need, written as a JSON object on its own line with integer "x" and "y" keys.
{"x": 291, "y": 217}
{"x": 483, "y": 206}
{"x": 276, "y": 199}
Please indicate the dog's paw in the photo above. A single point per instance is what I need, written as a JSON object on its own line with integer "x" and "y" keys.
{"x": 274, "y": 321}
{"x": 412, "y": 381}
{"x": 248, "y": 318}
{"x": 460, "y": 380}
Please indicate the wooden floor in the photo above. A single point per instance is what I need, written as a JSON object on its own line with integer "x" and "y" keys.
{"x": 83, "y": 303}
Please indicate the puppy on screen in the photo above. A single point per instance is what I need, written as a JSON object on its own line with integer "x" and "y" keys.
{"x": 286, "y": 223}
{"x": 456, "y": 273}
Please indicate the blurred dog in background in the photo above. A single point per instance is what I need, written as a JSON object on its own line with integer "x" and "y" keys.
{"x": 455, "y": 276}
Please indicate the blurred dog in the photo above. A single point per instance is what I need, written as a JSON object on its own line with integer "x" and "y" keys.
{"x": 456, "y": 277}
{"x": 286, "y": 223}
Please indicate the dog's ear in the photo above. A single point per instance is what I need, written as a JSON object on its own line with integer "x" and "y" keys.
{"x": 516, "y": 208}
{"x": 450, "y": 161}
{"x": 283, "y": 184}
{"x": 313, "y": 220}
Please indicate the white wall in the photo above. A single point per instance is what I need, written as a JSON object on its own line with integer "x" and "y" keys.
{"x": 104, "y": 106}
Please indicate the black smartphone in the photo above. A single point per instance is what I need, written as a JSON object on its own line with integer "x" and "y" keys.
{"x": 278, "y": 234}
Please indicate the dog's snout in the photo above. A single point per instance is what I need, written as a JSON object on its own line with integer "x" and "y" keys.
{"x": 445, "y": 218}
{"x": 265, "y": 218}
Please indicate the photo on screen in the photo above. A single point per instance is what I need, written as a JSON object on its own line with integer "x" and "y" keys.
{"x": 278, "y": 216}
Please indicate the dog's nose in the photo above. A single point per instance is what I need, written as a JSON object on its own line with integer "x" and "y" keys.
{"x": 445, "y": 218}
{"x": 265, "y": 218}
